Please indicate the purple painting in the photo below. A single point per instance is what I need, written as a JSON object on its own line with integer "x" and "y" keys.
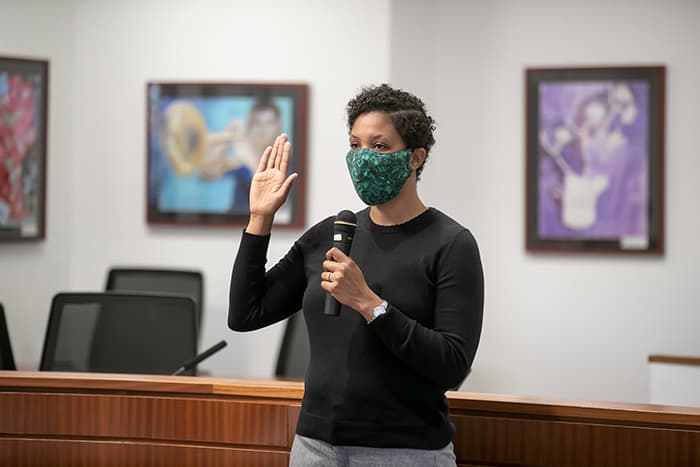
{"x": 594, "y": 160}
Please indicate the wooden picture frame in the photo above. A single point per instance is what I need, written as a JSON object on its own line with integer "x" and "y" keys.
{"x": 23, "y": 147}
{"x": 595, "y": 159}
{"x": 204, "y": 141}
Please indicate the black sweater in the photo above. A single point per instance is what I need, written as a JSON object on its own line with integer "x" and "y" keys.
{"x": 380, "y": 384}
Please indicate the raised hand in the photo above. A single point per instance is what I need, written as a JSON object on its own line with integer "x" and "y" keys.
{"x": 270, "y": 186}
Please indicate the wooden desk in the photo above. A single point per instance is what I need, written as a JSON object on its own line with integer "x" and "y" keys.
{"x": 132, "y": 420}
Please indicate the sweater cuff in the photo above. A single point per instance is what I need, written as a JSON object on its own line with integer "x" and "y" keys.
{"x": 387, "y": 322}
{"x": 394, "y": 329}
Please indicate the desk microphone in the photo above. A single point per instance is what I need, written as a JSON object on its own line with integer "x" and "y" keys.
{"x": 189, "y": 364}
{"x": 343, "y": 231}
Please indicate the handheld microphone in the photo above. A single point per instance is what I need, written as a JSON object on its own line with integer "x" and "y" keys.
{"x": 189, "y": 364}
{"x": 343, "y": 231}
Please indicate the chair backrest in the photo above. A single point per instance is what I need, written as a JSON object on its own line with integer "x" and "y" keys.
{"x": 153, "y": 280}
{"x": 115, "y": 332}
{"x": 293, "y": 358}
{"x": 7, "y": 360}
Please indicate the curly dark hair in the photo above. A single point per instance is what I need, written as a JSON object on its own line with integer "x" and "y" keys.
{"x": 406, "y": 111}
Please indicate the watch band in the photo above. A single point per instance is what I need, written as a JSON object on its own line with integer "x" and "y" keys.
{"x": 380, "y": 309}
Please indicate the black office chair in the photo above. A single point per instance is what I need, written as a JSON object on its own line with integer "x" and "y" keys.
{"x": 7, "y": 360}
{"x": 120, "y": 333}
{"x": 184, "y": 282}
{"x": 293, "y": 358}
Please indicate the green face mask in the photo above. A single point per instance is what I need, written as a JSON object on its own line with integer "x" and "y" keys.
{"x": 378, "y": 177}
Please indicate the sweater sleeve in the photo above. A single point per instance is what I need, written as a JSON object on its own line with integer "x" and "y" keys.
{"x": 444, "y": 353}
{"x": 258, "y": 299}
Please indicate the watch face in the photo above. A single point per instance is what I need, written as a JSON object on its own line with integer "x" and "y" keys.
{"x": 380, "y": 310}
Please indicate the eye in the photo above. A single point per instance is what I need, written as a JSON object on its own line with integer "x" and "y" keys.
{"x": 354, "y": 146}
{"x": 379, "y": 147}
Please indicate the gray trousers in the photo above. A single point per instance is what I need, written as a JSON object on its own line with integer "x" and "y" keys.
{"x": 308, "y": 452}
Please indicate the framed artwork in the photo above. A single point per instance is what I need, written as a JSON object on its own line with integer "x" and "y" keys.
{"x": 23, "y": 110}
{"x": 204, "y": 142}
{"x": 594, "y": 160}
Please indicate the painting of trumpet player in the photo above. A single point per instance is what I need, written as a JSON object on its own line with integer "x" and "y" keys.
{"x": 205, "y": 141}
{"x": 594, "y": 159}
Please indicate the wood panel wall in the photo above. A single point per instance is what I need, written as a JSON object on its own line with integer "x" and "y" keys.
{"x": 135, "y": 420}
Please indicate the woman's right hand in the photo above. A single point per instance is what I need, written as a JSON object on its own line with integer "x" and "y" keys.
{"x": 270, "y": 186}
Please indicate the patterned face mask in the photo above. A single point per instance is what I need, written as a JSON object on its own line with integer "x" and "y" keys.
{"x": 378, "y": 177}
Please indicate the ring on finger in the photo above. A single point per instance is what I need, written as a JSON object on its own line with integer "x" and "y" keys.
{"x": 329, "y": 276}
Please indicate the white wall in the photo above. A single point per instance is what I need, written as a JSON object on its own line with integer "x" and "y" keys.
{"x": 119, "y": 46}
{"x": 556, "y": 325}
{"x": 674, "y": 384}
{"x": 30, "y": 273}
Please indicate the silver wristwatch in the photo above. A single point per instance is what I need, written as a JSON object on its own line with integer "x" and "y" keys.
{"x": 380, "y": 309}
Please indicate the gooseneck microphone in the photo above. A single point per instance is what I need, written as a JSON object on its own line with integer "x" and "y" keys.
{"x": 343, "y": 231}
{"x": 189, "y": 364}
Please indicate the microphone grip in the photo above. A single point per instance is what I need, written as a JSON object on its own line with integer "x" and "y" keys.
{"x": 332, "y": 306}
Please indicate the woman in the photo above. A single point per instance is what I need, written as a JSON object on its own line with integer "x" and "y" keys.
{"x": 412, "y": 296}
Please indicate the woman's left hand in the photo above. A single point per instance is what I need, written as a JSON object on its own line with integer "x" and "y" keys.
{"x": 343, "y": 279}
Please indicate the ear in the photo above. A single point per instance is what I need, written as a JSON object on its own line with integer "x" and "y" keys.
{"x": 417, "y": 158}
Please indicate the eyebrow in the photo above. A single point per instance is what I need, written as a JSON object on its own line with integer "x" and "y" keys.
{"x": 372, "y": 138}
